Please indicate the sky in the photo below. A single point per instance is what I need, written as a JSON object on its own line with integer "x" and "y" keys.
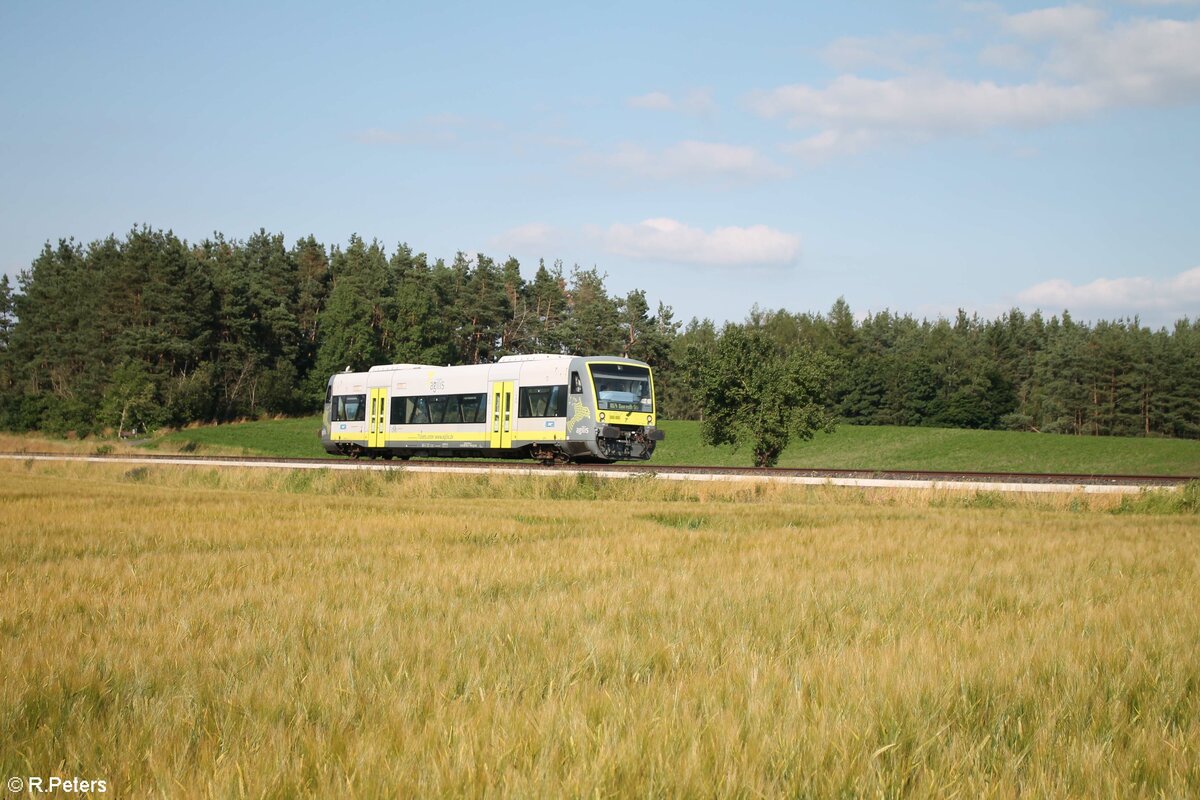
{"x": 919, "y": 157}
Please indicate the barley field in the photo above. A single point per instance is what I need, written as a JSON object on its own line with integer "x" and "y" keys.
{"x": 182, "y": 632}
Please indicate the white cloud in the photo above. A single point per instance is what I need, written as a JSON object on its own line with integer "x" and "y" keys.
{"x": 1007, "y": 56}
{"x": 830, "y": 143}
{"x": 1163, "y": 3}
{"x": 896, "y": 52}
{"x": 866, "y": 111}
{"x": 695, "y": 101}
{"x": 689, "y": 160}
{"x": 534, "y": 237}
{"x": 1055, "y": 23}
{"x": 669, "y": 240}
{"x": 658, "y": 239}
{"x": 1139, "y": 63}
{"x": 1178, "y": 294}
{"x": 1083, "y": 64}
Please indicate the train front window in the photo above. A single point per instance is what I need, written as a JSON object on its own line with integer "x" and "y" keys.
{"x": 622, "y": 387}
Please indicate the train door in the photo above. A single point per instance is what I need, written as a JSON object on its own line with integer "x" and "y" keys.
{"x": 377, "y": 425}
{"x": 502, "y": 414}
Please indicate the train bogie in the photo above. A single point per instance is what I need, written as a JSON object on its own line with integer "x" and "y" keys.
{"x": 547, "y": 407}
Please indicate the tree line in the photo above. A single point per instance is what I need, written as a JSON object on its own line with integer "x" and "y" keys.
{"x": 1016, "y": 372}
{"x": 148, "y": 330}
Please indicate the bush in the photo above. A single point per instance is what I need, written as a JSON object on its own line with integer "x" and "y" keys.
{"x": 1016, "y": 422}
{"x": 1185, "y": 500}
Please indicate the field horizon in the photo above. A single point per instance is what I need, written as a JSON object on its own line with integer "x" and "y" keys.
{"x": 857, "y": 447}
{"x": 848, "y": 447}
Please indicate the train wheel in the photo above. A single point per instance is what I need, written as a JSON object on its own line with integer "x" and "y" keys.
{"x": 549, "y": 456}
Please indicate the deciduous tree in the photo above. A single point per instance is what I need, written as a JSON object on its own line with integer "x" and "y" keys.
{"x": 756, "y": 396}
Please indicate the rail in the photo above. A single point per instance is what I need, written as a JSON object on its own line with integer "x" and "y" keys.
{"x": 1011, "y": 481}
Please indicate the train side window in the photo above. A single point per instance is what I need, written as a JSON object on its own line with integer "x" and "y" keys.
{"x": 442, "y": 409}
{"x": 437, "y": 410}
{"x": 420, "y": 413}
{"x": 328, "y": 393}
{"x": 576, "y": 383}
{"x": 542, "y": 401}
{"x": 349, "y": 408}
{"x": 474, "y": 408}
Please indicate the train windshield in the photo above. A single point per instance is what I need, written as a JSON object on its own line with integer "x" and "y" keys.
{"x": 622, "y": 387}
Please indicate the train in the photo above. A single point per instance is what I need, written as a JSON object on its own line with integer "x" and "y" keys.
{"x": 546, "y": 407}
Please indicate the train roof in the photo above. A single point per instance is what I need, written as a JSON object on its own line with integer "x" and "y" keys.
{"x": 398, "y": 367}
{"x": 530, "y": 357}
{"x": 515, "y": 359}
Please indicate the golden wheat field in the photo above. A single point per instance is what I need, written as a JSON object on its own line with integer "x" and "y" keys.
{"x": 182, "y": 632}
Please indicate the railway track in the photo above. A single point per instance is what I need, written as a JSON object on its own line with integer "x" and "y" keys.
{"x": 920, "y": 479}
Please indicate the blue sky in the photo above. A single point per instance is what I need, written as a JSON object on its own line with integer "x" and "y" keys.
{"x": 919, "y": 157}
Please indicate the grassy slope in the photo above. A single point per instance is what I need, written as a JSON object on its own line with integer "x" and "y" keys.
{"x": 227, "y": 633}
{"x": 890, "y": 447}
{"x": 290, "y": 438}
{"x": 850, "y": 447}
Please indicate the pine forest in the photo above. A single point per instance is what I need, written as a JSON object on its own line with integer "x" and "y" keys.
{"x": 146, "y": 331}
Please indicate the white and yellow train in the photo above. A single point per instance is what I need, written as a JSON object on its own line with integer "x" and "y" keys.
{"x": 547, "y": 407}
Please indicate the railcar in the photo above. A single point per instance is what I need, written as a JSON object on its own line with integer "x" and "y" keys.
{"x": 552, "y": 408}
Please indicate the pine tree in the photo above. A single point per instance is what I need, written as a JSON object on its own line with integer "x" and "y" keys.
{"x": 49, "y": 308}
{"x": 51, "y": 348}
{"x": 6, "y": 312}
{"x": 1064, "y": 398}
{"x": 7, "y": 393}
{"x": 1180, "y": 399}
{"x": 170, "y": 317}
{"x": 516, "y": 328}
{"x": 420, "y": 332}
{"x": 691, "y": 353}
{"x": 483, "y": 308}
{"x": 313, "y": 279}
{"x": 591, "y": 326}
{"x": 644, "y": 337}
{"x": 548, "y": 296}
{"x": 355, "y": 322}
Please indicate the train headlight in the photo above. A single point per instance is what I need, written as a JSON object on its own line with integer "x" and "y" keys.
{"x": 650, "y": 420}
{"x": 602, "y": 416}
